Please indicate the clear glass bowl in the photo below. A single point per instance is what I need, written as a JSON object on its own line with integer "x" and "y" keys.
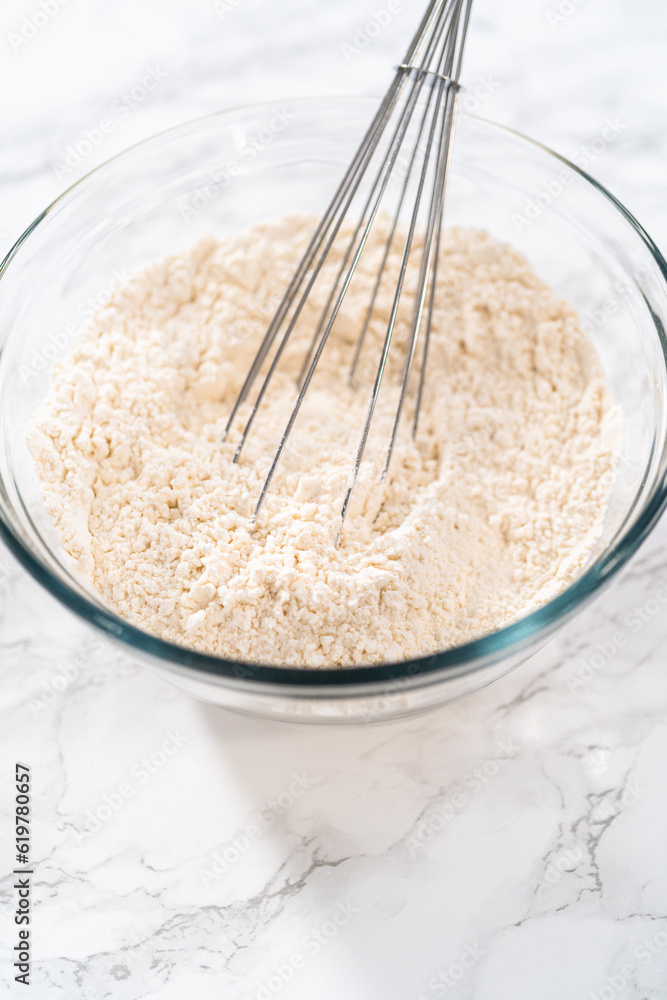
{"x": 238, "y": 167}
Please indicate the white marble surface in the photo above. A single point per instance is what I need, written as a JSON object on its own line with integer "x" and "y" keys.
{"x": 509, "y": 847}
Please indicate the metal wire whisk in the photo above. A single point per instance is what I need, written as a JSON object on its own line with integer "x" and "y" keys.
{"x": 431, "y": 71}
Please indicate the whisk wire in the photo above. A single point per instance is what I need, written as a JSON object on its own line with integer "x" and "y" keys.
{"x": 366, "y": 222}
{"x": 443, "y": 85}
{"x": 292, "y": 323}
{"x": 373, "y": 203}
{"x": 321, "y": 344}
{"x": 354, "y": 171}
{"x": 322, "y": 322}
{"x": 433, "y": 58}
{"x": 389, "y": 244}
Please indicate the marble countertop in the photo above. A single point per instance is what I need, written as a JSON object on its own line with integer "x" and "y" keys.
{"x": 507, "y": 847}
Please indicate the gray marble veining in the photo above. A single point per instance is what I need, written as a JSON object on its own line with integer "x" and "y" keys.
{"x": 508, "y": 847}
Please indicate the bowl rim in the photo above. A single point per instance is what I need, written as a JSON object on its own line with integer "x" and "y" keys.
{"x": 466, "y": 658}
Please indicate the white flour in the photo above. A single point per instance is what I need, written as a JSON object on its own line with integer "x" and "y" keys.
{"x": 492, "y": 511}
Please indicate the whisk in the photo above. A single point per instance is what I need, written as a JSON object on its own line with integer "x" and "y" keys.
{"x": 419, "y": 131}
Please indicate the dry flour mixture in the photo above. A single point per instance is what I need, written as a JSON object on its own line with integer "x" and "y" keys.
{"x": 491, "y": 511}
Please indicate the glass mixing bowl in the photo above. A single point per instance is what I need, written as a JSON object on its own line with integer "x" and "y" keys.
{"x": 238, "y": 167}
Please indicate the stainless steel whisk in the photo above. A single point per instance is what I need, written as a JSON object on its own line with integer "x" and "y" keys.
{"x": 431, "y": 71}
